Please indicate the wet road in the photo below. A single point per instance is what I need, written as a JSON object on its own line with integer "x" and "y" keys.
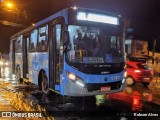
{"x": 123, "y": 105}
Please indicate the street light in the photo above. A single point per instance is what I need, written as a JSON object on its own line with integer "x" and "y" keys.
{"x": 9, "y": 5}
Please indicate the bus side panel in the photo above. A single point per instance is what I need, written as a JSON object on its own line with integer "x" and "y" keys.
{"x": 37, "y": 61}
{"x": 42, "y": 62}
{"x": 30, "y": 55}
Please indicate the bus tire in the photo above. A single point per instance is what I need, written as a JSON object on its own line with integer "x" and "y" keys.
{"x": 43, "y": 82}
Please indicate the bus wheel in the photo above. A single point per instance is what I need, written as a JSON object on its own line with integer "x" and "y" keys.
{"x": 129, "y": 81}
{"x": 44, "y": 83}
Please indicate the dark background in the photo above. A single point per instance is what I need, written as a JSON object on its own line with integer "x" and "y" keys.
{"x": 141, "y": 15}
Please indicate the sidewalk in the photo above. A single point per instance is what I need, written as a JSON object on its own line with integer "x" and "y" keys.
{"x": 5, "y": 103}
{"x": 155, "y": 88}
{"x": 17, "y": 103}
{"x": 155, "y": 82}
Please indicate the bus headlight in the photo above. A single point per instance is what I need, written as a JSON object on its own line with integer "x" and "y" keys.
{"x": 1, "y": 63}
{"x": 79, "y": 82}
{"x": 75, "y": 79}
{"x": 71, "y": 76}
{"x": 6, "y": 63}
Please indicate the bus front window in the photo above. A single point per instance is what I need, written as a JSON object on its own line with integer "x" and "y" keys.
{"x": 94, "y": 45}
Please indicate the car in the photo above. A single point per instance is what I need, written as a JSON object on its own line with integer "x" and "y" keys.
{"x": 138, "y": 72}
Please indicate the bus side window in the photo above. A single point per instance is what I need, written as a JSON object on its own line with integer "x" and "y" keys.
{"x": 19, "y": 44}
{"x": 42, "y": 38}
{"x": 32, "y": 47}
{"x": 33, "y": 42}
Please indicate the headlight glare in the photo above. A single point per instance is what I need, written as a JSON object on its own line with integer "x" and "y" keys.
{"x": 71, "y": 76}
{"x": 75, "y": 79}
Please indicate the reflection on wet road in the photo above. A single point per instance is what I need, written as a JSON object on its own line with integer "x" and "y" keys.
{"x": 136, "y": 98}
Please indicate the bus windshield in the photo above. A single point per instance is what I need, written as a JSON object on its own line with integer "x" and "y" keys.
{"x": 94, "y": 45}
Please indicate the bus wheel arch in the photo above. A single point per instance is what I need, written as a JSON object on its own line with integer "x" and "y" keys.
{"x": 43, "y": 81}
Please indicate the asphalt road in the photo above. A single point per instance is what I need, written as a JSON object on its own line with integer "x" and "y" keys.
{"x": 123, "y": 105}
{"x": 145, "y": 101}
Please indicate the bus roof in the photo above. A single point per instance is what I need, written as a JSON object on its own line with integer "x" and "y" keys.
{"x": 58, "y": 14}
{"x": 62, "y": 13}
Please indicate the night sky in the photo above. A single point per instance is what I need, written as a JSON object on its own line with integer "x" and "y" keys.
{"x": 143, "y": 15}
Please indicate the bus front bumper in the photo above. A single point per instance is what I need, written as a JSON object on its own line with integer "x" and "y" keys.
{"x": 73, "y": 89}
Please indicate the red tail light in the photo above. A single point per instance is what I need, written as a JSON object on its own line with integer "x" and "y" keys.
{"x": 151, "y": 72}
{"x": 136, "y": 105}
{"x": 150, "y": 98}
{"x": 136, "y": 101}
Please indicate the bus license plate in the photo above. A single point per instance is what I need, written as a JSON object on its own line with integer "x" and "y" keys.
{"x": 106, "y": 88}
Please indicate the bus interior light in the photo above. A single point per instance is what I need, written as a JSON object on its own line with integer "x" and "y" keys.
{"x": 97, "y": 18}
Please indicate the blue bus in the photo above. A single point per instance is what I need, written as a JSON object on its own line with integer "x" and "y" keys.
{"x": 75, "y": 52}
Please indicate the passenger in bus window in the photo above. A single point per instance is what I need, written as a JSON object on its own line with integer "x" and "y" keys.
{"x": 82, "y": 43}
{"x": 89, "y": 43}
{"x": 43, "y": 45}
{"x": 97, "y": 52}
{"x": 32, "y": 47}
{"x": 78, "y": 39}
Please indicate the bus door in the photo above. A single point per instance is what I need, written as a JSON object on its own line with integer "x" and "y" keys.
{"x": 55, "y": 56}
{"x": 25, "y": 55}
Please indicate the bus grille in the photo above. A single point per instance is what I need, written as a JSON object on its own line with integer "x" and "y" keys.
{"x": 95, "y": 87}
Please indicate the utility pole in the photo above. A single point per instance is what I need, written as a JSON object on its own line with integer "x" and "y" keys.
{"x": 154, "y": 45}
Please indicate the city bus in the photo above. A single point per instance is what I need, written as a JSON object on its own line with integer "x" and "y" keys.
{"x": 74, "y": 52}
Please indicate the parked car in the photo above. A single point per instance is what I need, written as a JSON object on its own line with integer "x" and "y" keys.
{"x": 138, "y": 72}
